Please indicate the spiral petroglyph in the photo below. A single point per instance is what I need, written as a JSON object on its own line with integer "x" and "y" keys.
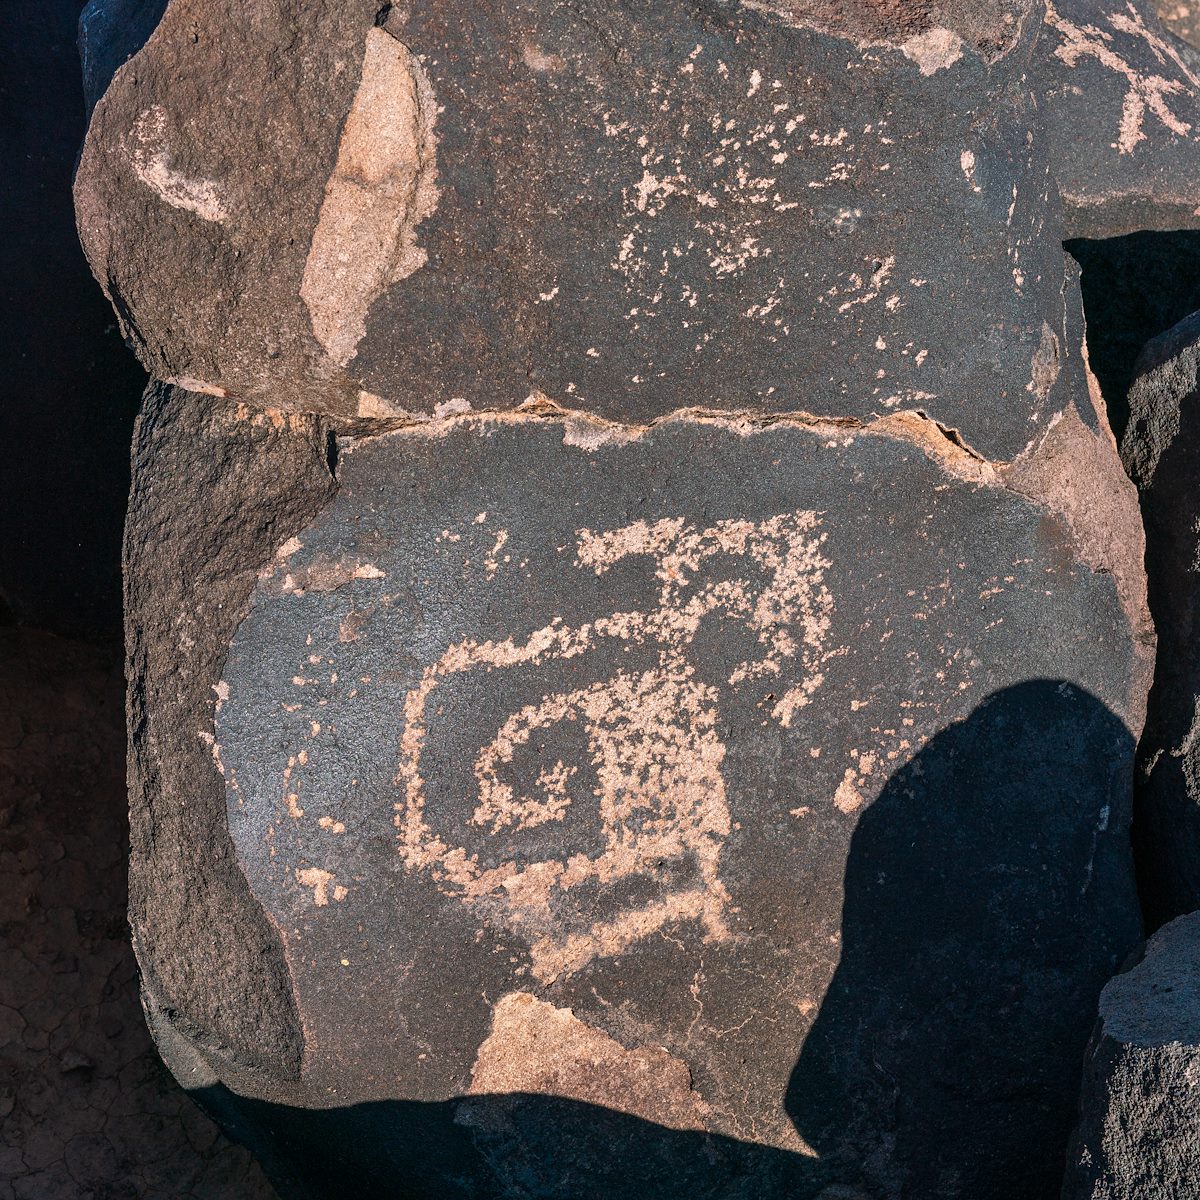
{"x": 652, "y": 748}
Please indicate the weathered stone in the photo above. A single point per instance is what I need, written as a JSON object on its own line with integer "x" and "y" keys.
{"x": 215, "y": 489}
{"x": 1141, "y": 1104}
{"x": 620, "y": 809}
{"x": 630, "y": 208}
{"x": 687, "y": 750}
{"x": 1122, "y": 98}
{"x": 1161, "y": 451}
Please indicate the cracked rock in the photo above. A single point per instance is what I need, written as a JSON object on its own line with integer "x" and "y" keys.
{"x": 547, "y": 740}
{"x": 782, "y": 211}
{"x": 636, "y": 625}
{"x": 1141, "y": 1105}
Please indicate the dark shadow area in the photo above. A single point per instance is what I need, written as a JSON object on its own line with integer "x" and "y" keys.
{"x": 989, "y": 897}
{"x": 69, "y": 388}
{"x": 87, "y": 1110}
{"x": 1134, "y": 288}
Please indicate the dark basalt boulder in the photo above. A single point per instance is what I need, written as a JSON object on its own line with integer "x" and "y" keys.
{"x": 1141, "y": 1107}
{"x": 1161, "y": 451}
{"x": 637, "y": 625}
{"x": 583, "y": 779}
{"x": 631, "y": 208}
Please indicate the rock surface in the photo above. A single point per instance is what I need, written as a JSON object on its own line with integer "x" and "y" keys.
{"x": 552, "y": 741}
{"x": 1122, "y": 99}
{"x": 637, "y": 626}
{"x": 771, "y": 211}
{"x": 1161, "y": 451}
{"x": 1141, "y": 1100}
{"x": 87, "y": 1111}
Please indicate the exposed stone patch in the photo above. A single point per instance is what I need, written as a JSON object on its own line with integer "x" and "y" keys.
{"x": 1076, "y": 473}
{"x": 930, "y": 32}
{"x": 538, "y": 1048}
{"x": 382, "y": 188}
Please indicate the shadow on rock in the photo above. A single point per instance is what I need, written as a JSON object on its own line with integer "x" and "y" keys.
{"x": 988, "y": 898}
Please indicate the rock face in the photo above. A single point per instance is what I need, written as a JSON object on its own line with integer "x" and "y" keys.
{"x": 736, "y": 796}
{"x": 1141, "y": 1105}
{"x": 637, "y": 626}
{"x": 1161, "y": 451}
{"x": 381, "y": 218}
{"x": 1122, "y": 97}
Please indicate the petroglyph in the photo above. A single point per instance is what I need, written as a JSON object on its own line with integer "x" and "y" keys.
{"x": 322, "y": 884}
{"x": 152, "y": 165}
{"x": 653, "y": 743}
{"x": 382, "y": 187}
{"x": 1144, "y": 91}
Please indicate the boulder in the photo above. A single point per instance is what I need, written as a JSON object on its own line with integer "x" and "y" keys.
{"x": 637, "y": 625}
{"x": 586, "y": 809}
{"x": 374, "y": 218}
{"x": 1141, "y": 1105}
{"x": 1161, "y": 451}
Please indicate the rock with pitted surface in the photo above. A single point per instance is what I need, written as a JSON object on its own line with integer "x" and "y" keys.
{"x": 1122, "y": 101}
{"x": 383, "y": 212}
{"x": 1161, "y": 451}
{"x": 622, "y": 809}
{"x": 1141, "y": 1093}
{"x": 637, "y": 624}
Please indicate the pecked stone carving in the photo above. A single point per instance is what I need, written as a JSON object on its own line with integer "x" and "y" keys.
{"x": 637, "y": 623}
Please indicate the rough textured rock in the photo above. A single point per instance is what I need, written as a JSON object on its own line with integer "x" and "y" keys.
{"x": 706, "y": 771}
{"x": 1122, "y": 98}
{"x": 87, "y": 1111}
{"x": 1134, "y": 288}
{"x": 654, "y": 762}
{"x": 1141, "y": 1105}
{"x": 770, "y": 211}
{"x": 215, "y": 489}
{"x": 1161, "y": 451}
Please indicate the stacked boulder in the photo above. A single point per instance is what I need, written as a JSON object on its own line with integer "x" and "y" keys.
{"x": 1161, "y": 451}
{"x": 1141, "y": 1096}
{"x": 637, "y": 625}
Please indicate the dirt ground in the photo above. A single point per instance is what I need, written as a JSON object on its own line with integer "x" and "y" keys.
{"x": 87, "y": 1111}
